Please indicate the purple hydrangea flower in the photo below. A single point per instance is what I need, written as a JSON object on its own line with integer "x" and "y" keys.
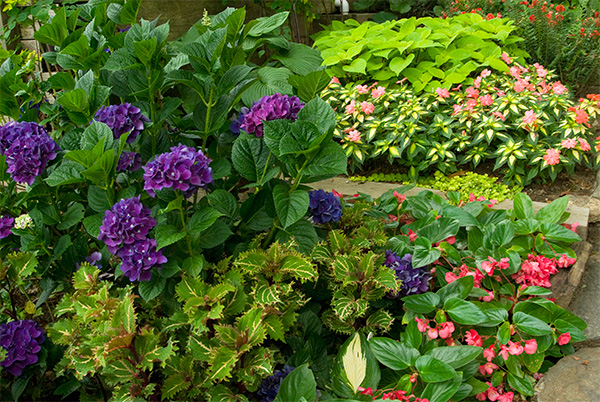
{"x": 272, "y": 107}
{"x": 28, "y": 148}
{"x": 414, "y": 280}
{"x": 122, "y": 119}
{"x": 139, "y": 258}
{"x": 269, "y": 387}
{"x": 126, "y": 222}
{"x": 183, "y": 169}
{"x": 324, "y": 207}
{"x": 6, "y": 225}
{"x": 94, "y": 259}
{"x": 21, "y": 340}
{"x": 236, "y": 123}
{"x": 129, "y": 161}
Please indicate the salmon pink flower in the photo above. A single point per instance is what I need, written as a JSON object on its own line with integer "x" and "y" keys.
{"x": 477, "y": 82}
{"x": 552, "y": 156}
{"x": 585, "y": 146}
{"x": 488, "y": 298}
{"x": 581, "y": 116}
{"x": 515, "y": 348}
{"x": 565, "y": 261}
{"x": 485, "y": 73}
{"x": 505, "y": 58}
{"x": 362, "y": 89}
{"x": 569, "y": 143}
{"x": 489, "y": 353}
{"x": 399, "y": 197}
{"x": 529, "y": 117}
{"x": 432, "y": 333}
{"x": 530, "y": 346}
{"x": 422, "y": 325}
{"x": 559, "y": 88}
{"x": 442, "y": 93}
{"x": 541, "y": 71}
{"x": 472, "y": 93}
{"x": 334, "y": 80}
{"x": 486, "y": 100}
{"x": 487, "y": 368}
{"x": 367, "y": 107}
{"x": 473, "y": 338}
{"x": 353, "y": 136}
{"x": 351, "y": 107}
{"x": 447, "y": 328}
{"x": 498, "y": 115}
{"x": 450, "y": 277}
{"x": 377, "y": 92}
{"x": 503, "y": 352}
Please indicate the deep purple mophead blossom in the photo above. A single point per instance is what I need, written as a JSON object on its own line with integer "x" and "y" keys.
{"x": 269, "y": 387}
{"x": 183, "y": 169}
{"x": 122, "y": 119}
{"x": 21, "y": 340}
{"x": 6, "y": 225}
{"x": 324, "y": 207}
{"x": 125, "y": 223}
{"x": 414, "y": 280}
{"x": 139, "y": 258}
{"x": 28, "y": 148}
{"x": 271, "y": 107}
{"x": 129, "y": 162}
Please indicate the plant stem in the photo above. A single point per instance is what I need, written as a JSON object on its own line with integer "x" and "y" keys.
{"x": 187, "y": 235}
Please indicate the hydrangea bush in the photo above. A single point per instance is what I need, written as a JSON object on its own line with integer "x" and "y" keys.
{"x": 210, "y": 271}
{"x": 522, "y": 120}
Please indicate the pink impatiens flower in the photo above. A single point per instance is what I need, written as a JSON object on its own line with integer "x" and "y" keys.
{"x": 559, "y": 88}
{"x": 442, "y": 93}
{"x": 485, "y": 73}
{"x": 486, "y": 100}
{"x": 367, "y": 107}
{"x": 541, "y": 71}
{"x": 498, "y": 115}
{"x": 334, "y": 80}
{"x": 585, "y": 146}
{"x": 505, "y": 58}
{"x": 472, "y": 93}
{"x": 529, "y": 117}
{"x": 377, "y": 92}
{"x": 457, "y": 109}
{"x": 569, "y": 143}
{"x": 581, "y": 116}
{"x": 351, "y": 107}
{"x": 353, "y": 136}
{"x": 552, "y": 156}
{"x": 563, "y": 339}
{"x": 362, "y": 89}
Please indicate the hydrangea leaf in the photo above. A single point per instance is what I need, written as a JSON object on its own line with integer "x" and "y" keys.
{"x": 290, "y": 207}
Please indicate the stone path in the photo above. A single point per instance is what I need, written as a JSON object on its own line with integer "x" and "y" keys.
{"x": 575, "y": 378}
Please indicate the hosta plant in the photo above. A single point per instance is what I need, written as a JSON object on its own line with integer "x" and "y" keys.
{"x": 522, "y": 120}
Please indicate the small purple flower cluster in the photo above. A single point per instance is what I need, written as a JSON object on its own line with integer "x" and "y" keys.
{"x": 125, "y": 229}
{"x": 272, "y": 107}
{"x": 21, "y": 340}
{"x": 236, "y": 123}
{"x": 130, "y": 162}
{"x": 183, "y": 169}
{"x": 122, "y": 119}
{"x": 28, "y": 148}
{"x": 414, "y": 280}
{"x": 324, "y": 207}
{"x": 6, "y": 225}
{"x": 269, "y": 387}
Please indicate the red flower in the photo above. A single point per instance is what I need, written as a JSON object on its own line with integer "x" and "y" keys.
{"x": 565, "y": 338}
{"x": 560, "y": 8}
{"x": 532, "y": 18}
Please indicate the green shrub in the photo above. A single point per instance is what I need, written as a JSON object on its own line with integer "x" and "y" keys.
{"x": 429, "y": 52}
{"x": 469, "y": 184}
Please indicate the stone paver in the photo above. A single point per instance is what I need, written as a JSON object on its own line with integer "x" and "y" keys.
{"x": 587, "y": 299}
{"x": 575, "y": 378}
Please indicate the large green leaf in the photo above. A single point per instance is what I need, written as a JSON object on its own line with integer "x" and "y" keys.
{"x": 290, "y": 206}
{"x": 166, "y": 235}
{"x": 265, "y": 25}
{"x": 552, "y": 212}
{"x": 250, "y": 156}
{"x": 523, "y": 206}
{"x": 434, "y": 370}
{"x": 300, "y": 383}
{"x": 393, "y": 354}
{"x": 531, "y": 325}
{"x": 464, "y": 312}
{"x": 456, "y": 356}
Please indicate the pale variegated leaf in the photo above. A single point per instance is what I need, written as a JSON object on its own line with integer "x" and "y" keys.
{"x": 298, "y": 267}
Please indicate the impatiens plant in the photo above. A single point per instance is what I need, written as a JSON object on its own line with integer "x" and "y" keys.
{"x": 521, "y": 120}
